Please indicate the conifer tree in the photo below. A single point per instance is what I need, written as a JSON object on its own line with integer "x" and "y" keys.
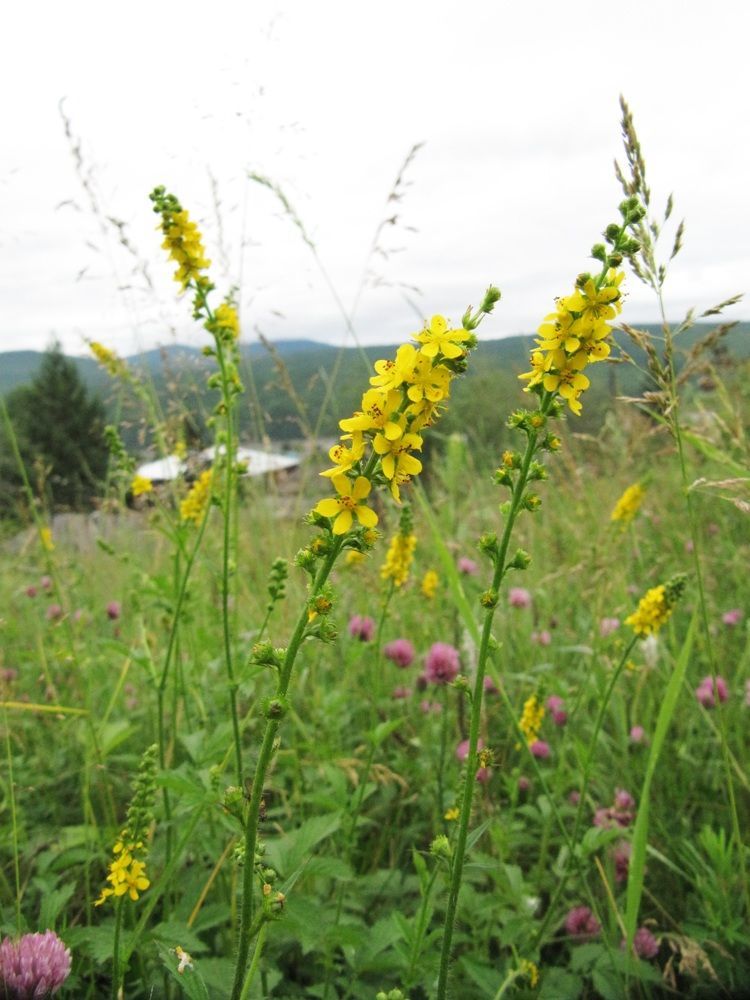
{"x": 60, "y": 431}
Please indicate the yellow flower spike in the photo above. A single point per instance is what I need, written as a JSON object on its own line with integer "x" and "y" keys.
{"x": 531, "y": 719}
{"x": 430, "y": 584}
{"x": 652, "y": 612}
{"x": 346, "y": 506}
{"x": 628, "y": 505}
{"x": 45, "y": 537}
{"x": 438, "y": 339}
{"x": 398, "y": 559}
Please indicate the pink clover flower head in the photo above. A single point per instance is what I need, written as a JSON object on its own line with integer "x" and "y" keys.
{"x": 401, "y": 692}
{"x": 607, "y": 626}
{"x": 489, "y": 685}
{"x": 621, "y": 858}
{"x": 732, "y": 618}
{"x": 637, "y": 734}
{"x": 483, "y": 775}
{"x": 645, "y": 944}
{"x": 441, "y": 663}
{"x": 543, "y": 638}
{"x": 574, "y": 797}
{"x": 462, "y": 750}
{"x": 31, "y": 590}
{"x": 361, "y": 627}
{"x": 540, "y": 749}
{"x": 114, "y": 610}
{"x": 707, "y": 692}
{"x": 467, "y": 566}
{"x": 582, "y": 924}
{"x": 624, "y": 801}
{"x": 523, "y": 784}
{"x": 46, "y": 583}
{"x": 689, "y": 545}
{"x": 400, "y": 652}
{"x": 54, "y": 611}
{"x": 430, "y": 707}
{"x": 519, "y": 597}
{"x": 8, "y": 675}
{"x": 556, "y": 707}
{"x": 33, "y": 967}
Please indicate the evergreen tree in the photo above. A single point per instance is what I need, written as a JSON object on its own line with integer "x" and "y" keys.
{"x": 60, "y": 431}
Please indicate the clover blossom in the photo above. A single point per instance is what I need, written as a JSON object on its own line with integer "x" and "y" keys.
{"x": 33, "y": 967}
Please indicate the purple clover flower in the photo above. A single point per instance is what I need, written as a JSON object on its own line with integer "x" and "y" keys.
{"x": 400, "y": 652}
{"x": 361, "y": 627}
{"x": 33, "y": 967}
{"x": 441, "y": 663}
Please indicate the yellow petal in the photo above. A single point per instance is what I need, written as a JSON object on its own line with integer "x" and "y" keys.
{"x": 329, "y": 507}
{"x": 366, "y": 516}
{"x": 342, "y": 523}
{"x": 361, "y": 488}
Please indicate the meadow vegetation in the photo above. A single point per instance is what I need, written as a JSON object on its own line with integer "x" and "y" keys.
{"x": 465, "y": 715}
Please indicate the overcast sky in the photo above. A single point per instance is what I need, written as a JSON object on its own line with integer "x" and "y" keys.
{"x": 516, "y": 105}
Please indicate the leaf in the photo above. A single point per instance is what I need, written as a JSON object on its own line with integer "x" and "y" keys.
{"x": 190, "y": 980}
{"x": 558, "y": 984}
{"x": 52, "y": 904}
{"x": 486, "y": 978}
{"x": 289, "y": 852}
{"x": 640, "y": 831}
{"x": 380, "y": 936}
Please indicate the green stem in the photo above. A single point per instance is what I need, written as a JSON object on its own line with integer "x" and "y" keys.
{"x": 476, "y": 709}
{"x": 416, "y": 947}
{"x": 116, "y": 950}
{"x": 14, "y": 823}
{"x": 255, "y": 962}
{"x": 265, "y": 757}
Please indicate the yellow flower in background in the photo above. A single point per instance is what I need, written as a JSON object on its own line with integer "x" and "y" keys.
{"x": 193, "y": 506}
{"x": 452, "y": 814}
{"x": 430, "y": 584}
{"x": 656, "y": 606}
{"x": 141, "y": 485}
{"x": 629, "y": 504}
{"x": 107, "y": 358}
{"x": 531, "y": 719}
{"x": 354, "y": 558}
{"x": 399, "y": 558}
{"x": 346, "y": 506}
{"x": 527, "y": 969}
{"x": 45, "y": 537}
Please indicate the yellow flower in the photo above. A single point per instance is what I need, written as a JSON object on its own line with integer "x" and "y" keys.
{"x": 531, "y": 719}
{"x": 354, "y": 557}
{"x": 398, "y": 559}
{"x": 193, "y": 506}
{"x": 430, "y": 584}
{"x": 109, "y": 361}
{"x": 225, "y": 320}
{"x": 378, "y": 409}
{"x": 452, "y": 814}
{"x": 345, "y": 457}
{"x": 345, "y": 507}
{"x": 141, "y": 485}
{"x": 394, "y": 455}
{"x": 45, "y": 537}
{"x": 629, "y": 504}
{"x": 656, "y": 606}
{"x": 438, "y": 339}
{"x": 652, "y": 612}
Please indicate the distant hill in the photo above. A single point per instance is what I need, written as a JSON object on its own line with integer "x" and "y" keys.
{"x": 178, "y": 375}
